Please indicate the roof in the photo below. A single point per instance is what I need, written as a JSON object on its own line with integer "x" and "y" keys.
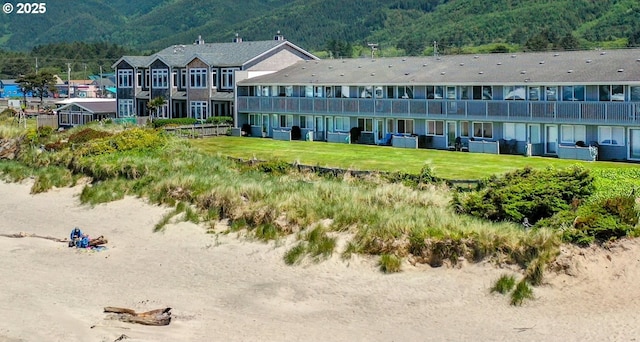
{"x": 566, "y": 67}
{"x": 83, "y": 99}
{"x": 218, "y": 54}
{"x": 94, "y": 107}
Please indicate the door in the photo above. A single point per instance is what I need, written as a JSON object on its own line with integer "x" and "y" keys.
{"x": 551, "y": 138}
{"x": 451, "y": 134}
{"x": 634, "y": 144}
{"x": 318, "y": 129}
{"x": 265, "y": 125}
{"x": 378, "y": 130}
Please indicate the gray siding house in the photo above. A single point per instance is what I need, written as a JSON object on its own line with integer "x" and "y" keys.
{"x": 550, "y": 103}
{"x": 197, "y": 80}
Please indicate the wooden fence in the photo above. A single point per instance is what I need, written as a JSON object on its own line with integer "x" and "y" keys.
{"x": 45, "y": 120}
{"x": 199, "y": 130}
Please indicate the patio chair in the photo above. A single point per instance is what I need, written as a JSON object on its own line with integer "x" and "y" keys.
{"x": 387, "y": 140}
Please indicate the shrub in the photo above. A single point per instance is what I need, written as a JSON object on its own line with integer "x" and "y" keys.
{"x": 8, "y": 113}
{"x": 86, "y": 135}
{"x": 602, "y": 220}
{"x": 412, "y": 180}
{"x": 174, "y": 122}
{"x": 534, "y": 194}
{"x": 504, "y": 284}
{"x": 275, "y": 167}
{"x": 220, "y": 120}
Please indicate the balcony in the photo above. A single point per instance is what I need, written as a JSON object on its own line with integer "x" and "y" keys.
{"x": 519, "y": 111}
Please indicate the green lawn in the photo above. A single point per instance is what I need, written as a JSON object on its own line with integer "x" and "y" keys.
{"x": 445, "y": 164}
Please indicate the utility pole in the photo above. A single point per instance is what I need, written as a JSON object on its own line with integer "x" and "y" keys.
{"x": 101, "y": 90}
{"x": 68, "y": 80}
{"x": 435, "y": 49}
{"x": 36, "y": 65}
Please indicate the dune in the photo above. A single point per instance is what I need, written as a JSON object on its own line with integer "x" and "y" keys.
{"x": 222, "y": 287}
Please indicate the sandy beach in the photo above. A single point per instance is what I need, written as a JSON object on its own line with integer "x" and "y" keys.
{"x": 225, "y": 288}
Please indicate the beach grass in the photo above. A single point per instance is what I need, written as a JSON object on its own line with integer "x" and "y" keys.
{"x": 379, "y": 218}
{"x": 390, "y": 263}
{"x": 504, "y": 284}
{"x": 521, "y": 293}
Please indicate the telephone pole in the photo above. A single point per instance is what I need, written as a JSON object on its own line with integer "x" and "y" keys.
{"x": 68, "y": 80}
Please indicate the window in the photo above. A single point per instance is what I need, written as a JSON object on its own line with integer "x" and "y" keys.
{"x": 138, "y": 78}
{"x": 635, "y": 94}
{"x": 451, "y": 93}
{"x": 318, "y": 92}
{"x": 464, "y": 128}
{"x": 405, "y": 126}
{"x": 183, "y": 78}
{"x": 147, "y": 78}
{"x": 160, "y": 78}
{"x": 551, "y": 93}
{"x": 174, "y": 78}
{"x": 342, "y": 123}
{"x": 125, "y": 78}
{"x": 573, "y": 133}
{"x": 608, "y": 135}
{"x": 573, "y": 93}
{"x": 163, "y": 112}
{"x": 255, "y": 119}
{"x": 611, "y": 93}
{"x": 535, "y": 93}
{"x": 199, "y": 109}
{"x": 487, "y": 93}
{"x": 435, "y": 127}
{"x": 483, "y": 130}
{"x": 308, "y": 91}
{"x": 365, "y": 92}
{"x": 405, "y": 92}
{"x": 516, "y": 131}
{"x": 306, "y": 121}
{"x": 286, "y": 121}
{"x": 365, "y": 124}
{"x": 198, "y": 78}
{"x": 514, "y": 93}
{"x": 435, "y": 92}
{"x": 214, "y": 78}
{"x": 125, "y": 108}
{"x": 288, "y": 91}
{"x": 227, "y": 78}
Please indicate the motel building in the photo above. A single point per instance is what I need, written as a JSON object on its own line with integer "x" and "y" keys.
{"x": 566, "y": 104}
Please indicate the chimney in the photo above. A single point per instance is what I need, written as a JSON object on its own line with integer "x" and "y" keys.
{"x": 199, "y": 41}
{"x": 237, "y": 39}
{"x": 278, "y": 36}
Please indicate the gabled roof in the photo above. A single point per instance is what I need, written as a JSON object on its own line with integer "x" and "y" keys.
{"x": 93, "y": 107}
{"x": 566, "y": 67}
{"x": 217, "y": 54}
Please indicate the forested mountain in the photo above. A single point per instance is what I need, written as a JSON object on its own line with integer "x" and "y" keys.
{"x": 342, "y": 27}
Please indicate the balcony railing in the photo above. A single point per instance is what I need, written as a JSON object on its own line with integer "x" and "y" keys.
{"x": 535, "y": 111}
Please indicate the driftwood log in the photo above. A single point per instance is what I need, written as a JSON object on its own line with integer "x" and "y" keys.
{"x": 156, "y": 317}
{"x": 23, "y": 235}
{"x": 100, "y": 240}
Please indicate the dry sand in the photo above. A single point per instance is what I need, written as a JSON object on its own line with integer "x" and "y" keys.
{"x": 222, "y": 288}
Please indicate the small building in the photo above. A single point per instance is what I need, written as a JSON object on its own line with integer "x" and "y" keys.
{"x": 74, "y": 112}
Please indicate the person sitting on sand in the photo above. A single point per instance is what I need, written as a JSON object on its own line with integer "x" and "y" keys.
{"x": 75, "y": 237}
